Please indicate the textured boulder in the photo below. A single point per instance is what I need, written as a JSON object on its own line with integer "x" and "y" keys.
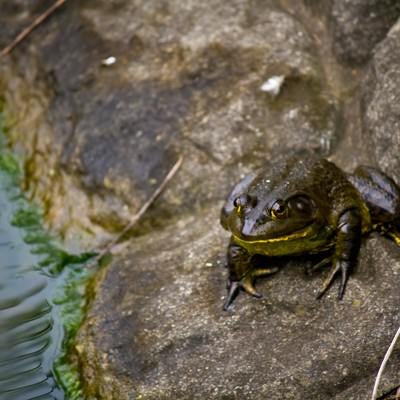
{"x": 181, "y": 74}
{"x": 381, "y": 103}
{"x": 359, "y": 25}
{"x": 98, "y": 140}
{"x": 157, "y": 329}
{"x": 356, "y": 26}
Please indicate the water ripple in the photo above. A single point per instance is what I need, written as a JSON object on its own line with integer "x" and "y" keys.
{"x": 29, "y": 336}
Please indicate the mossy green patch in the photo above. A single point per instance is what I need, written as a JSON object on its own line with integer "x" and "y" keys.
{"x": 71, "y": 298}
{"x": 50, "y": 282}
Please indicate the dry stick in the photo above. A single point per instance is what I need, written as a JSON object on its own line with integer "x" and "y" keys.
{"x": 30, "y": 28}
{"x": 139, "y": 215}
{"x": 383, "y": 365}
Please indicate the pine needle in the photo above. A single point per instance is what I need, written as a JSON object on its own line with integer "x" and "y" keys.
{"x": 110, "y": 246}
{"x": 31, "y": 27}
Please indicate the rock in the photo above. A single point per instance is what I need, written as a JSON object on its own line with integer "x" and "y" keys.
{"x": 190, "y": 87}
{"x": 359, "y": 25}
{"x": 356, "y": 26}
{"x": 381, "y": 99}
{"x": 98, "y": 140}
{"x": 157, "y": 329}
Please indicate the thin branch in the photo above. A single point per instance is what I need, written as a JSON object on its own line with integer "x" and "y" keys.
{"x": 109, "y": 247}
{"x": 31, "y": 27}
{"x": 383, "y": 365}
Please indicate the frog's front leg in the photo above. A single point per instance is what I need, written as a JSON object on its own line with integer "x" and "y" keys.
{"x": 348, "y": 241}
{"x": 241, "y": 273}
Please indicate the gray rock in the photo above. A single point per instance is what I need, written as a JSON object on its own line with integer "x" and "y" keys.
{"x": 157, "y": 329}
{"x": 98, "y": 140}
{"x": 356, "y": 26}
{"x": 381, "y": 99}
{"x": 359, "y": 25}
{"x": 190, "y": 87}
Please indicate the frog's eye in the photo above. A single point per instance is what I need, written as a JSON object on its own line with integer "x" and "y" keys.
{"x": 302, "y": 205}
{"x": 278, "y": 210}
{"x": 243, "y": 201}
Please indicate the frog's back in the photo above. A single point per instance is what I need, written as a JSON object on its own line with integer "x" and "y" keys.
{"x": 380, "y": 193}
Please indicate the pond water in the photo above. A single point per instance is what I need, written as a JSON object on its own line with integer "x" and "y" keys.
{"x": 42, "y": 298}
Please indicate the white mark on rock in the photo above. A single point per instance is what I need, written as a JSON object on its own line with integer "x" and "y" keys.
{"x": 293, "y": 113}
{"x": 273, "y": 85}
{"x": 107, "y": 62}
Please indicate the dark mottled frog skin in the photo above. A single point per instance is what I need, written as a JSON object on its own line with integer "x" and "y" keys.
{"x": 305, "y": 204}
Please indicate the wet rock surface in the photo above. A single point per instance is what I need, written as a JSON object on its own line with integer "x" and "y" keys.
{"x": 98, "y": 140}
{"x": 355, "y": 26}
{"x": 381, "y": 97}
{"x": 358, "y": 26}
{"x": 161, "y": 327}
{"x": 172, "y": 85}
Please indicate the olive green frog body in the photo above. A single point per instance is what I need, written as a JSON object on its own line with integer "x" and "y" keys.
{"x": 302, "y": 203}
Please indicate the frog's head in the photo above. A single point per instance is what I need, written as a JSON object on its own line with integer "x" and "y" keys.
{"x": 274, "y": 216}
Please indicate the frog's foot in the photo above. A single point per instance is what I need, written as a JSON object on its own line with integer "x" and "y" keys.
{"x": 341, "y": 266}
{"x": 395, "y": 236}
{"x": 390, "y": 231}
{"x": 311, "y": 269}
{"x": 246, "y": 284}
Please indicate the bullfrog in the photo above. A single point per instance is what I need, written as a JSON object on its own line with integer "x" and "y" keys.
{"x": 301, "y": 203}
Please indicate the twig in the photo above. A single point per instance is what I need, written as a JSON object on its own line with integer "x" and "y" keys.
{"x": 31, "y": 27}
{"x": 108, "y": 248}
{"x": 383, "y": 365}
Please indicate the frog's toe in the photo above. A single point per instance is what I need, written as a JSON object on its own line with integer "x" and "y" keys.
{"x": 343, "y": 267}
{"x": 340, "y": 266}
{"x": 264, "y": 271}
{"x": 395, "y": 236}
{"x": 233, "y": 291}
{"x": 247, "y": 284}
{"x": 234, "y": 287}
{"x": 313, "y": 268}
{"x": 343, "y": 282}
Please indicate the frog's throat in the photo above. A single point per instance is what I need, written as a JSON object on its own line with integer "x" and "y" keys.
{"x": 308, "y": 232}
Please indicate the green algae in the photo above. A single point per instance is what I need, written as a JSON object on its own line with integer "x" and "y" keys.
{"x": 64, "y": 291}
{"x": 71, "y": 297}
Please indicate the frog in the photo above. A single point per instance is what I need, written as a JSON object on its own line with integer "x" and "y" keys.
{"x": 302, "y": 203}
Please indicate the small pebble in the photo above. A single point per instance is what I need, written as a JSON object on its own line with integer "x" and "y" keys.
{"x": 107, "y": 62}
{"x": 273, "y": 85}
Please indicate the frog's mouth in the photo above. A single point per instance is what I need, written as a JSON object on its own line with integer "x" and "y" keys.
{"x": 307, "y": 232}
{"x": 308, "y": 238}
